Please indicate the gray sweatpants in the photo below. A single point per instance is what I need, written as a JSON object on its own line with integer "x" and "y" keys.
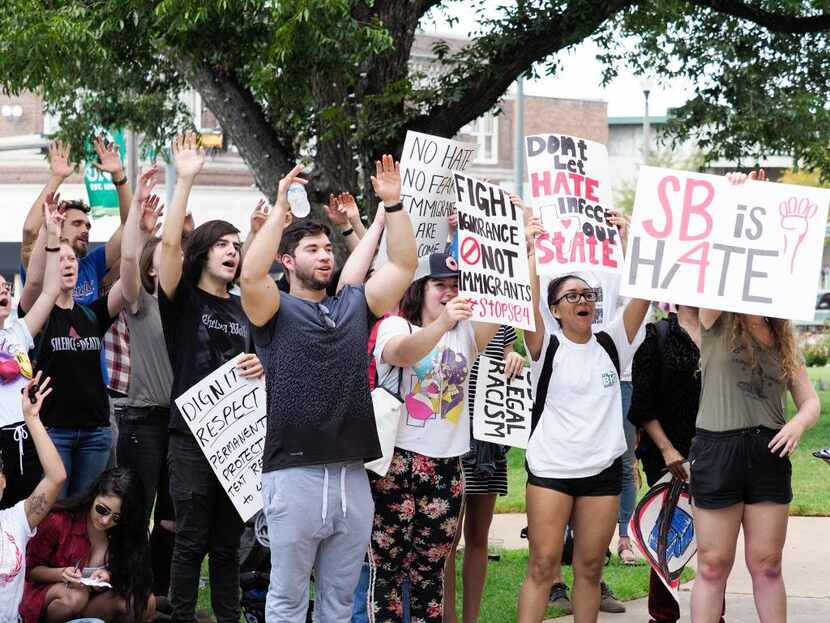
{"x": 318, "y": 517}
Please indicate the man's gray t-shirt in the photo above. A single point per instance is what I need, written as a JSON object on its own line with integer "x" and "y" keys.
{"x": 316, "y": 362}
{"x": 151, "y": 377}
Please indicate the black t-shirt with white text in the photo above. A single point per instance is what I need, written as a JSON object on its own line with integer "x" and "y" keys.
{"x": 69, "y": 353}
{"x": 202, "y": 332}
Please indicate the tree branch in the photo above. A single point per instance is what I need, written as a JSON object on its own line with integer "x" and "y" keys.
{"x": 774, "y": 22}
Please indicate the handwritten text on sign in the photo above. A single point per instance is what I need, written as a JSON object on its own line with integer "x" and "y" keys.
{"x": 570, "y": 191}
{"x": 226, "y": 414}
{"x": 698, "y": 240}
{"x": 502, "y": 409}
{"x": 491, "y": 254}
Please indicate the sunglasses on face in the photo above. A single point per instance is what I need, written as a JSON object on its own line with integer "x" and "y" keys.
{"x": 106, "y": 512}
{"x": 590, "y": 296}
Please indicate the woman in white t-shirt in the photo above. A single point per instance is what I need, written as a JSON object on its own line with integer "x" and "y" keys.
{"x": 573, "y": 455}
{"x": 431, "y": 347}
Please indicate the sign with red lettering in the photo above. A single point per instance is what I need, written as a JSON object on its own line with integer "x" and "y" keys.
{"x": 492, "y": 257}
{"x": 502, "y": 409}
{"x": 698, "y": 240}
{"x": 571, "y": 192}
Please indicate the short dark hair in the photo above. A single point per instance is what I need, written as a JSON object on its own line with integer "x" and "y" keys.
{"x": 295, "y": 232}
{"x": 145, "y": 263}
{"x": 413, "y": 299}
{"x": 198, "y": 246}
{"x": 556, "y": 285}
{"x": 75, "y": 204}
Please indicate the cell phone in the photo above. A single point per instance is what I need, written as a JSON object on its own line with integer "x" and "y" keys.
{"x": 33, "y": 393}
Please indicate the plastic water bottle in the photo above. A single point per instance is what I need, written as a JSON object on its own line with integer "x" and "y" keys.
{"x": 298, "y": 200}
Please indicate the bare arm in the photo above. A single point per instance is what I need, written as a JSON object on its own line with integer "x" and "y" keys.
{"x": 339, "y": 218}
{"x": 534, "y": 340}
{"x": 484, "y": 332}
{"x": 110, "y": 162}
{"x": 140, "y": 227}
{"x": 38, "y": 308}
{"x": 355, "y": 269}
{"x": 633, "y": 316}
{"x": 386, "y": 287}
{"x": 37, "y": 270}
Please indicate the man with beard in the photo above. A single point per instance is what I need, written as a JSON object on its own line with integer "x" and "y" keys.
{"x": 321, "y": 427}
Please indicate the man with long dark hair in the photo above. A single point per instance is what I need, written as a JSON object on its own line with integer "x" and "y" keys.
{"x": 321, "y": 427}
{"x": 204, "y": 328}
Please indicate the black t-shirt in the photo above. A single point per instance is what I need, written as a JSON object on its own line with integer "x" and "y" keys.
{"x": 319, "y": 406}
{"x": 69, "y": 352}
{"x": 202, "y": 332}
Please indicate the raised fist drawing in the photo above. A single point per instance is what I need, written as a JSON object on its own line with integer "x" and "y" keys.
{"x": 795, "y": 221}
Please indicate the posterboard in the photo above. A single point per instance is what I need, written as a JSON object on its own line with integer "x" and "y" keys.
{"x": 428, "y": 191}
{"x": 698, "y": 240}
{"x": 502, "y": 410}
{"x": 492, "y": 255}
{"x": 226, "y": 414}
{"x": 570, "y": 190}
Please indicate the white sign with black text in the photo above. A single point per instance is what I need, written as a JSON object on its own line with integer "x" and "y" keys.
{"x": 502, "y": 409}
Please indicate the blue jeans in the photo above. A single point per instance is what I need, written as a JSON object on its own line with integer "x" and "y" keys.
{"x": 360, "y": 613}
{"x": 628, "y": 498}
{"x": 85, "y": 453}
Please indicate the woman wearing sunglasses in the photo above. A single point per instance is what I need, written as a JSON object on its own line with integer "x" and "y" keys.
{"x": 574, "y": 453}
{"x": 99, "y": 535}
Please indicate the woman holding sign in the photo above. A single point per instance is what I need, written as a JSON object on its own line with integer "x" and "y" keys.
{"x": 574, "y": 453}
{"x": 740, "y": 466}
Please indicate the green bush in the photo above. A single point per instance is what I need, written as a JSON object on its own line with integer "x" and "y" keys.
{"x": 815, "y": 356}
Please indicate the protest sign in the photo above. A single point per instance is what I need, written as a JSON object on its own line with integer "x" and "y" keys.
{"x": 102, "y": 193}
{"x": 428, "y": 192}
{"x": 502, "y": 409}
{"x": 698, "y": 240}
{"x": 570, "y": 190}
{"x": 491, "y": 254}
{"x": 226, "y": 414}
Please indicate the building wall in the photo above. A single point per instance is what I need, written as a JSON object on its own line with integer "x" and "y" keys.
{"x": 31, "y": 120}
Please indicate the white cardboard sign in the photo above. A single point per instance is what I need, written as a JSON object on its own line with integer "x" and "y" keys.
{"x": 502, "y": 410}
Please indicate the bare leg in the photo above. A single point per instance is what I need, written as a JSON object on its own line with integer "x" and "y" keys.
{"x": 594, "y": 521}
{"x": 476, "y": 530}
{"x": 717, "y": 533}
{"x": 63, "y": 604}
{"x": 547, "y": 513}
{"x": 107, "y": 606}
{"x": 449, "y": 615}
{"x": 765, "y": 530}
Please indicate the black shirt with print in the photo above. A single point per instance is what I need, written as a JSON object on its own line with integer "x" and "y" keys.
{"x": 69, "y": 353}
{"x": 202, "y": 332}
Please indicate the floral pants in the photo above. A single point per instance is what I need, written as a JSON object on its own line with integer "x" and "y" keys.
{"x": 417, "y": 505}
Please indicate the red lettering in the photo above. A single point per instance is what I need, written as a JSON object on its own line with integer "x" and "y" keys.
{"x": 592, "y": 249}
{"x": 648, "y": 225}
{"x": 591, "y": 189}
{"x": 561, "y": 186}
{"x": 544, "y": 251}
{"x": 702, "y": 262}
{"x": 558, "y": 242}
{"x": 578, "y": 246}
{"x": 607, "y": 249}
{"x": 689, "y": 208}
{"x": 540, "y": 186}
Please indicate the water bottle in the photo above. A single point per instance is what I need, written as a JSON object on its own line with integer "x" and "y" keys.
{"x": 298, "y": 200}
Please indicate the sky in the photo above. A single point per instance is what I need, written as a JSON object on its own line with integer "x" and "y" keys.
{"x": 580, "y": 74}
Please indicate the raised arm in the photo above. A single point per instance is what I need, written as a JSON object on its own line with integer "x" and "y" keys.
{"x": 37, "y": 260}
{"x": 386, "y": 287}
{"x": 39, "y": 306}
{"x": 38, "y": 504}
{"x": 142, "y": 225}
{"x": 340, "y": 219}
{"x": 534, "y": 340}
{"x": 60, "y": 168}
{"x": 110, "y": 162}
{"x": 633, "y": 316}
{"x": 260, "y": 295}
{"x": 258, "y": 217}
{"x": 360, "y": 260}
{"x": 407, "y": 350}
{"x": 189, "y": 161}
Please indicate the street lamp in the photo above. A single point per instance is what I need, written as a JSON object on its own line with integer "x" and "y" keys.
{"x": 646, "y": 84}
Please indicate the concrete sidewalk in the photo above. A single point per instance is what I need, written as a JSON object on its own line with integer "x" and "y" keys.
{"x": 806, "y": 566}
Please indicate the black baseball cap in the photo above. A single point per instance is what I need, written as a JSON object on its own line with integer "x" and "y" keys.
{"x": 442, "y": 265}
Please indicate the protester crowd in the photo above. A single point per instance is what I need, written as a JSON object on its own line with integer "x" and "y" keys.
{"x": 95, "y": 452}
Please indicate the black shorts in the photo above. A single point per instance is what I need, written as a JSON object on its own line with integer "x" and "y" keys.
{"x": 607, "y": 482}
{"x": 736, "y": 467}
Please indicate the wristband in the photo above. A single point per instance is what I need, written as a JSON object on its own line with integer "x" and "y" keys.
{"x": 52, "y": 249}
{"x": 395, "y": 207}
{"x": 120, "y": 182}
{"x": 347, "y": 232}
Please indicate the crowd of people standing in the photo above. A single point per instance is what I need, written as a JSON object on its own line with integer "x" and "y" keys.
{"x": 94, "y": 449}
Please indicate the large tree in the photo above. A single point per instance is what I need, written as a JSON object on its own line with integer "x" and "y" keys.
{"x": 329, "y": 80}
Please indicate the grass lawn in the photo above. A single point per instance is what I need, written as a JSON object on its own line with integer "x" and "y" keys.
{"x": 810, "y": 493}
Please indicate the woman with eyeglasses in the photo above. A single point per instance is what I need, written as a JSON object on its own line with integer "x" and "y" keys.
{"x": 573, "y": 457}
{"x": 98, "y": 537}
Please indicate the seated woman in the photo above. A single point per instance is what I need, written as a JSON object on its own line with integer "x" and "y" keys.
{"x": 100, "y": 534}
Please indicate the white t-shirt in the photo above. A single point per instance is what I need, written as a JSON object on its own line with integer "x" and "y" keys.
{"x": 14, "y": 535}
{"x": 15, "y": 369}
{"x": 434, "y": 421}
{"x": 580, "y": 431}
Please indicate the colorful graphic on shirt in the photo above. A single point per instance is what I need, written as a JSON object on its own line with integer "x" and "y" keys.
{"x": 11, "y": 559}
{"x": 14, "y": 363}
{"x": 439, "y": 390}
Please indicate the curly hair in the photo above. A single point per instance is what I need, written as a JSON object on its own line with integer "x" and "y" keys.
{"x": 783, "y": 341}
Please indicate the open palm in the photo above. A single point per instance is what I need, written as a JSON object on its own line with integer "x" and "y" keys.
{"x": 189, "y": 158}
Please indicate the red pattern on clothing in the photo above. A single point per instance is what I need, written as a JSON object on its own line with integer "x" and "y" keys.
{"x": 61, "y": 541}
{"x": 117, "y": 354}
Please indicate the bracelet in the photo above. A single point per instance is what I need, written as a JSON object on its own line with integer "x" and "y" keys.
{"x": 52, "y": 249}
{"x": 120, "y": 182}
{"x": 347, "y": 232}
{"x": 395, "y": 207}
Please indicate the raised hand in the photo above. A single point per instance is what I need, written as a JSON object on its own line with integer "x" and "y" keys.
{"x": 795, "y": 221}
{"x": 622, "y": 222}
{"x": 334, "y": 214}
{"x": 259, "y": 215}
{"x": 282, "y": 189}
{"x": 108, "y": 154}
{"x": 53, "y": 216}
{"x": 187, "y": 155}
{"x": 59, "y": 163}
{"x": 146, "y": 183}
{"x": 33, "y": 395}
{"x": 387, "y": 180}
{"x": 348, "y": 206}
{"x": 151, "y": 211}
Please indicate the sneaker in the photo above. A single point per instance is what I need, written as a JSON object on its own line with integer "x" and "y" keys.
{"x": 608, "y": 601}
{"x": 559, "y": 597}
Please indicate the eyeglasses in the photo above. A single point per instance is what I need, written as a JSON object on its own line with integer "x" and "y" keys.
{"x": 106, "y": 512}
{"x": 590, "y": 296}
{"x": 325, "y": 316}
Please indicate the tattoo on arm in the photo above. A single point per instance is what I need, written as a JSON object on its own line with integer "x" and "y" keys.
{"x": 38, "y": 505}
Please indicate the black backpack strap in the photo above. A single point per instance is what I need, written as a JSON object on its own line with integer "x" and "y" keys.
{"x": 543, "y": 382}
{"x": 608, "y": 345}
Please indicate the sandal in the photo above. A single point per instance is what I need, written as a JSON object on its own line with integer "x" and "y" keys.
{"x": 626, "y": 554}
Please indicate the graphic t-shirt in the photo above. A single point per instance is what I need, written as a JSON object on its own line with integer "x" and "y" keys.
{"x": 319, "y": 406}
{"x": 202, "y": 332}
{"x": 580, "y": 432}
{"x": 14, "y": 535}
{"x": 70, "y": 354}
{"x": 435, "y": 420}
{"x": 91, "y": 270}
{"x": 15, "y": 369}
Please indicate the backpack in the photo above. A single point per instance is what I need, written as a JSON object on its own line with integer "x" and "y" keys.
{"x": 373, "y": 364}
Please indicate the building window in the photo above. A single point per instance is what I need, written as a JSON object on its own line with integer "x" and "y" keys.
{"x": 485, "y": 131}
